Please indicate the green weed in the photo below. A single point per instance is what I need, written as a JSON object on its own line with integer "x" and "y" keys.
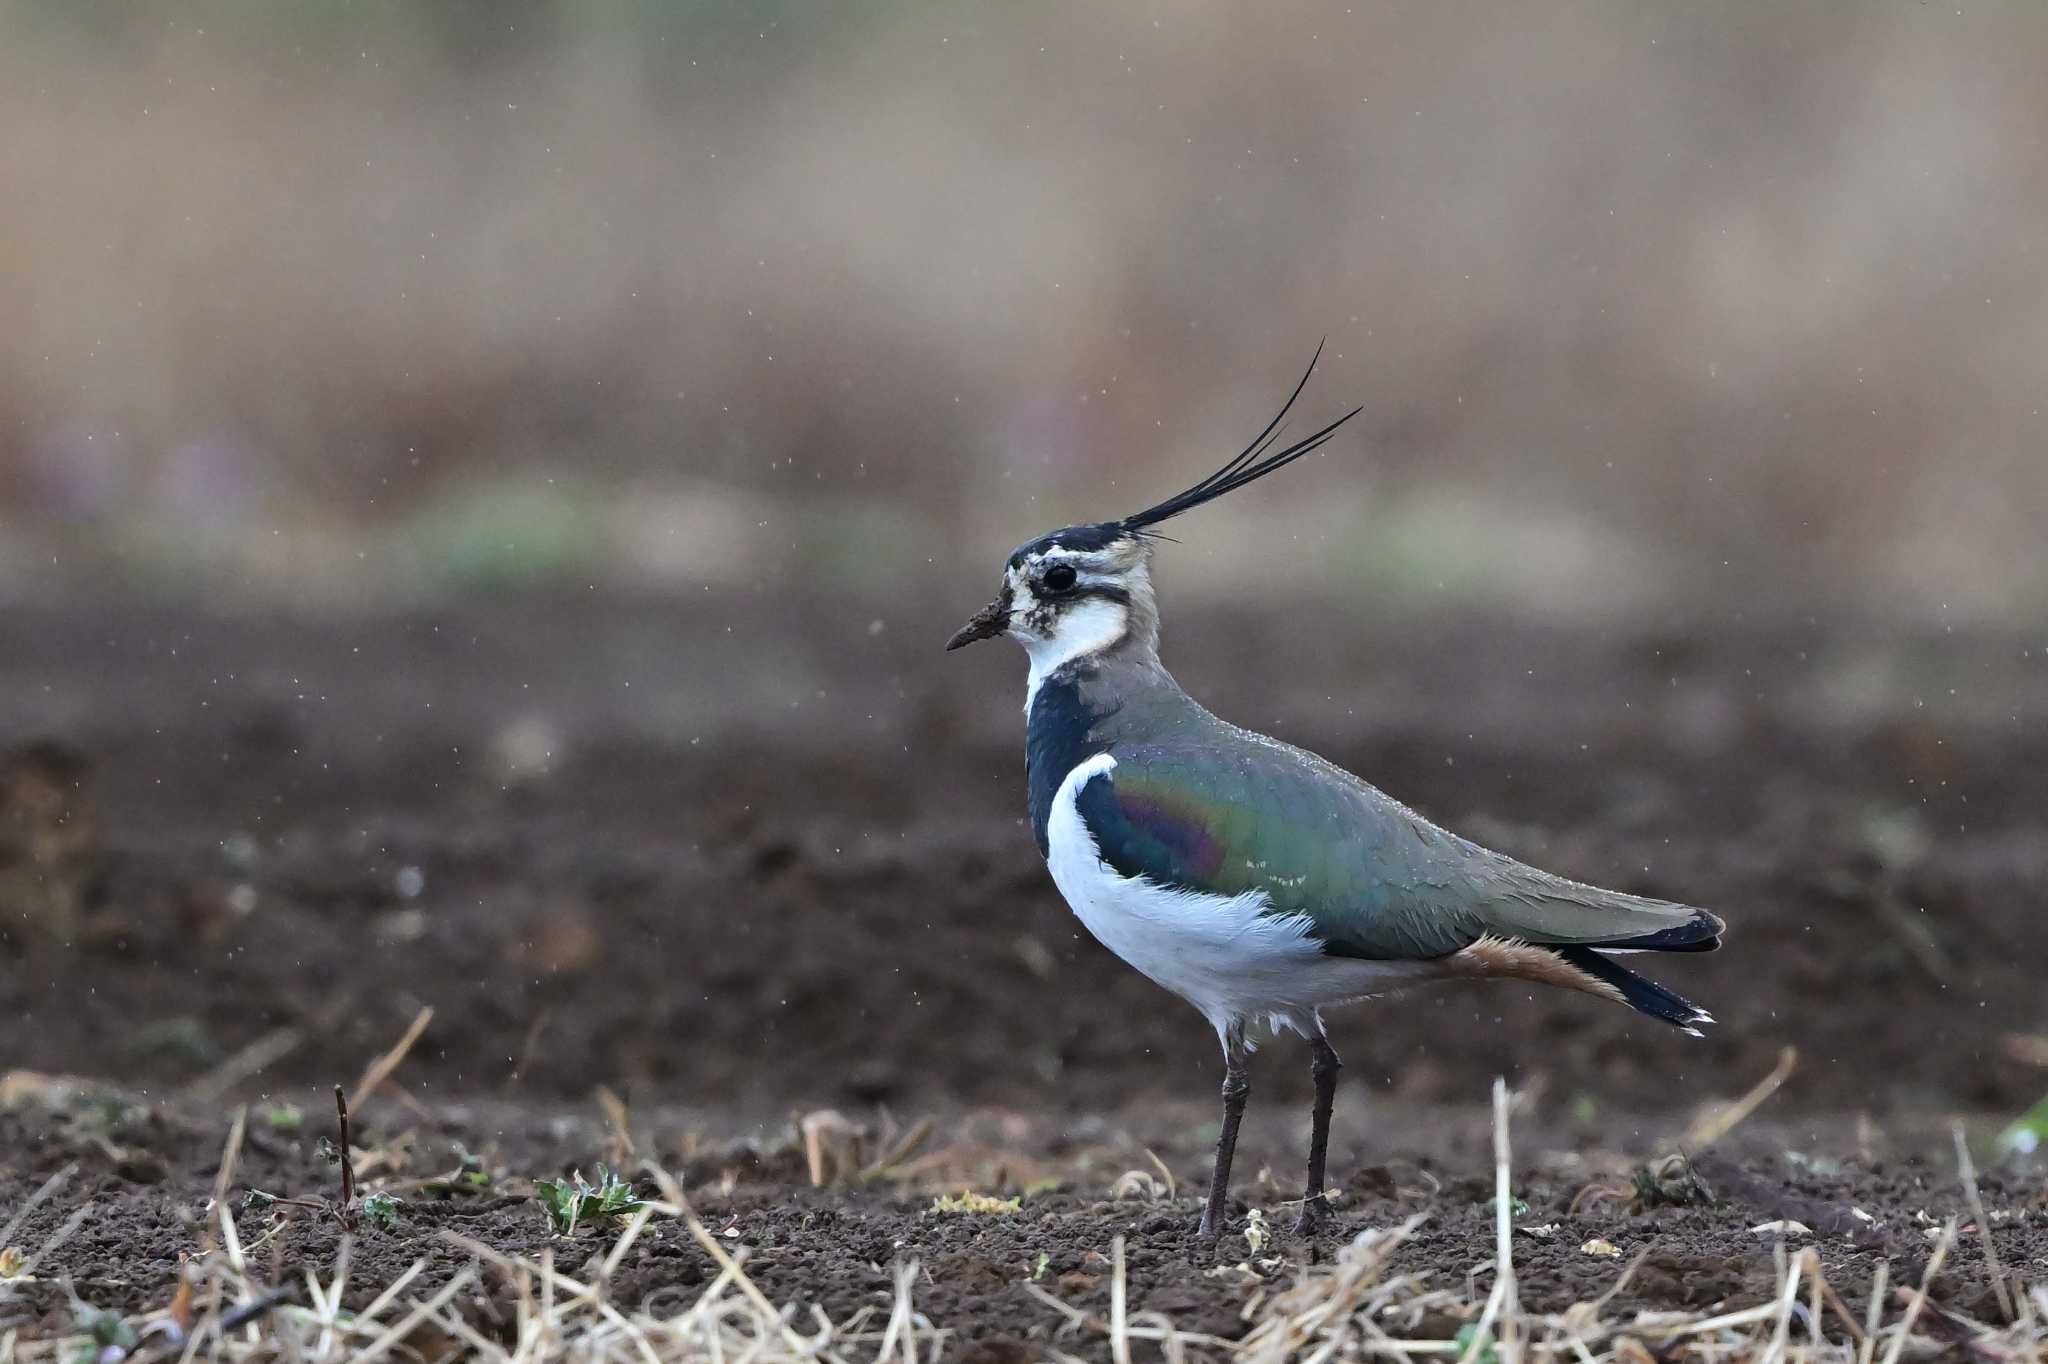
{"x": 571, "y": 1202}
{"x": 380, "y": 1210}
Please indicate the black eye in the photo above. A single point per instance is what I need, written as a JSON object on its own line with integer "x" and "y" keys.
{"x": 1059, "y": 578}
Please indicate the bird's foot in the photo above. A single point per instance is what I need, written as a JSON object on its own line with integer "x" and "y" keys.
{"x": 1313, "y": 1212}
{"x": 1208, "y": 1234}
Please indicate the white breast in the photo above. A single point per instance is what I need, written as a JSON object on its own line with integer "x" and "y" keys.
{"x": 1221, "y": 953}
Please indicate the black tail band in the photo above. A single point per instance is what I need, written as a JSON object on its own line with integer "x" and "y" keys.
{"x": 1645, "y": 996}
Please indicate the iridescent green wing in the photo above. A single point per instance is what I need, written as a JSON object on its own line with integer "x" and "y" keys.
{"x": 1238, "y": 812}
{"x": 1229, "y": 818}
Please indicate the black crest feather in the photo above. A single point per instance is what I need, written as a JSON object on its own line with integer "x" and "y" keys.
{"x": 1253, "y": 462}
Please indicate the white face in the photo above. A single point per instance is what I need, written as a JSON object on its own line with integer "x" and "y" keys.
{"x": 1071, "y": 594}
{"x": 1066, "y": 604}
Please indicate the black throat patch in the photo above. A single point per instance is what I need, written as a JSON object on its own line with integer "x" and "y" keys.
{"x": 1056, "y": 740}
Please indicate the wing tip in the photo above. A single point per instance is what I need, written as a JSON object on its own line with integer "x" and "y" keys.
{"x": 1701, "y": 933}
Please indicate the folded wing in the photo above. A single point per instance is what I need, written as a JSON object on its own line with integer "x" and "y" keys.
{"x": 1235, "y": 812}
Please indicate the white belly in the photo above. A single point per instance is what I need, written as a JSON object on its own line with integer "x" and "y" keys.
{"x": 1221, "y": 953}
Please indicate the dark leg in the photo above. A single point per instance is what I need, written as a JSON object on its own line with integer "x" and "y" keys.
{"x": 1237, "y": 1087}
{"x": 1324, "y": 1065}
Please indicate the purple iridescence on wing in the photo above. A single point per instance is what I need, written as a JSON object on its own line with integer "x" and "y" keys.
{"x": 1183, "y": 848}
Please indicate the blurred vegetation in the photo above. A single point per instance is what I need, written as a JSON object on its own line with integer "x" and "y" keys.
{"x": 1652, "y": 303}
{"x": 2028, "y": 1132}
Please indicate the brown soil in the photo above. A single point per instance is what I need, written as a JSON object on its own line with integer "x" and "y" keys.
{"x": 740, "y": 871}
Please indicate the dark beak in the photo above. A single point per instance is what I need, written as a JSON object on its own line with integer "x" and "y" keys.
{"x": 988, "y": 622}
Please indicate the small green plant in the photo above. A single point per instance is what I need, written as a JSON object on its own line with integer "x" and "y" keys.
{"x": 105, "y": 1329}
{"x": 1043, "y": 1263}
{"x": 284, "y": 1117}
{"x": 2027, "y": 1133}
{"x": 1486, "y": 1353}
{"x": 103, "y": 1112}
{"x": 571, "y": 1202}
{"x": 975, "y": 1202}
{"x": 1516, "y": 1206}
{"x": 380, "y": 1210}
{"x": 468, "y": 1177}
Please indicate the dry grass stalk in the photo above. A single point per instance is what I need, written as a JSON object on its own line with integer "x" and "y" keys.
{"x": 1140, "y": 1186}
{"x": 1343, "y": 1312}
{"x": 1156, "y": 1185}
{"x": 1171, "y": 1340}
{"x": 348, "y": 1160}
{"x": 379, "y": 1070}
{"x": 1119, "y": 1314}
{"x": 554, "y": 1317}
{"x": 835, "y": 1151}
{"x": 1352, "y": 1305}
{"x": 817, "y": 1128}
{"x": 35, "y": 1200}
{"x": 1719, "y": 1122}
{"x": 1152, "y": 1184}
{"x": 1967, "y": 1171}
{"x": 1356, "y": 1308}
{"x": 1503, "y": 1230}
{"x": 620, "y": 1150}
{"x": 1788, "y": 1294}
{"x": 896, "y": 1161}
{"x": 2028, "y": 1048}
{"x": 224, "y": 1177}
{"x": 253, "y": 1059}
{"x": 1866, "y": 1349}
{"x": 1905, "y": 1329}
{"x": 1912, "y": 932}
{"x": 26, "y": 1271}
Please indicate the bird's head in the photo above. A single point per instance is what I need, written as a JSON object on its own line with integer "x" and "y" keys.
{"x": 1073, "y": 592}
{"x": 1082, "y": 590}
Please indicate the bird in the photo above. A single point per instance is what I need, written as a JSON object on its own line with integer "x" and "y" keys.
{"x": 1254, "y": 879}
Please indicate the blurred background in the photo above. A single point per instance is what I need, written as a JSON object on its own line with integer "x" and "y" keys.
{"x": 334, "y": 303}
{"x": 482, "y": 488}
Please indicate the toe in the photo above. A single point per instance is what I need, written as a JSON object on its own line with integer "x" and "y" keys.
{"x": 1314, "y": 1213}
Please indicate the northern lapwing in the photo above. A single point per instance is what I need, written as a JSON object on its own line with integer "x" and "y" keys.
{"x": 1253, "y": 879}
